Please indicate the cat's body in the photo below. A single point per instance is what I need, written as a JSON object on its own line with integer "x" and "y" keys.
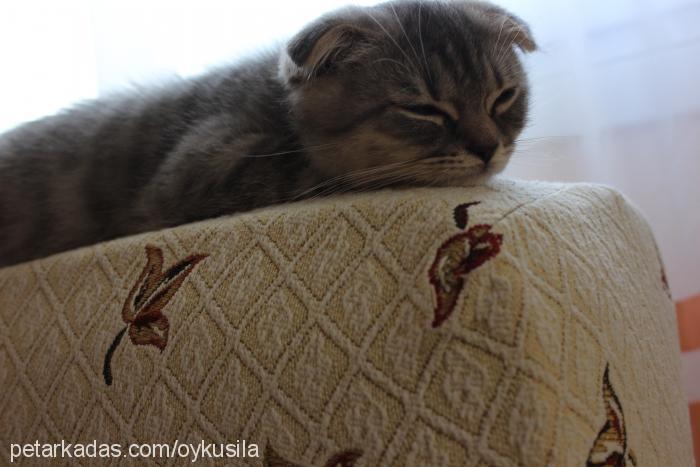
{"x": 349, "y": 104}
{"x": 105, "y": 169}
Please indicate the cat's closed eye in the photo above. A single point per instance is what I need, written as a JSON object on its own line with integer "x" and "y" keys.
{"x": 425, "y": 112}
{"x": 504, "y": 99}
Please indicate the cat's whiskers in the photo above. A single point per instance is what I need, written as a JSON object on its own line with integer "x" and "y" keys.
{"x": 536, "y": 139}
{"x": 274, "y": 154}
{"x": 339, "y": 179}
{"x": 446, "y": 168}
{"x": 423, "y": 171}
{"x": 403, "y": 30}
{"x": 375, "y": 177}
{"x": 496, "y": 50}
{"x": 380, "y": 173}
{"x": 527, "y": 156}
{"x": 504, "y": 52}
{"x": 384, "y": 182}
{"x": 422, "y": 45}
{"x": 381, "y": 26}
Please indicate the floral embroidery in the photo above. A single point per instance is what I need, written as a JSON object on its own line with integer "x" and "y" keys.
{"x": 143, "y": 309}
{"x": 610, "y": 446}
{"x": 457, "y": 257}
{"x": 342, "y": 459}
{"x": 461, "y": 215}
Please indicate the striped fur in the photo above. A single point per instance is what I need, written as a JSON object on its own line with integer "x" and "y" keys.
{"x": 403, "y": 93}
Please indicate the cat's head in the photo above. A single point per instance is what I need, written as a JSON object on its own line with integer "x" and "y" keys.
{"x": 409, "y": 91}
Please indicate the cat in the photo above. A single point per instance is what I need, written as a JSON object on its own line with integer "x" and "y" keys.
{"x": 403, "y": 93}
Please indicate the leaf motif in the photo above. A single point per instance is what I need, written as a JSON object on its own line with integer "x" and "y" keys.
{"x": 444, "y": 276}
{"x": 610, "y": 446}
{"x": 153, "y": 332}
{"x": 461, "y": 214}
{"x": 483, "y": 245}
{"x": 272, "y": 459}
{"x": 144, "y": 284}
{"x": 169, "y": 283}
{"x": 455, "y": 259}
{"x": 143, "y": 308}
{"x": 107, "y": 366}
{"x": 342, "y": 459}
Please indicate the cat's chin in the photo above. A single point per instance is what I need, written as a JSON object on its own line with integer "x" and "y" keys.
{"x": 480, "y": 177}
{"x": 457, "y": 178}
{"x": 467, "y": 180}
{"x": 485, "y": 173}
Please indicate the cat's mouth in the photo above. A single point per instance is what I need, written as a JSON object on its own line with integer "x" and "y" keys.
{"x": 452, "y": 167}
{"x": 438, "y": 170}
{"x": 447, "y": 170}
{"x": 462, "y": 167}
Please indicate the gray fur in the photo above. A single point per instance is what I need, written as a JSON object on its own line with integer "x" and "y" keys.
{"x": 402, "y": 93}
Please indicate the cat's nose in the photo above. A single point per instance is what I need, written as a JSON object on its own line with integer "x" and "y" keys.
{"x": 485, "y": 153}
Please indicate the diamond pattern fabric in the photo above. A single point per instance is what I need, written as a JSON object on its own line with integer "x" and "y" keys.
{"x": 310, "y": 329}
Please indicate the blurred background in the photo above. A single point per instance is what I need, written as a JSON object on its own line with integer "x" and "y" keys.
{"x": 616, "y": 96}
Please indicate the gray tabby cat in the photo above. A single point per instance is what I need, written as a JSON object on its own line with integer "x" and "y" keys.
{"x": 403, "y": 93}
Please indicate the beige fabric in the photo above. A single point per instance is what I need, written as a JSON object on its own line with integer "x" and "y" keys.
{"x": 308, "y": 329}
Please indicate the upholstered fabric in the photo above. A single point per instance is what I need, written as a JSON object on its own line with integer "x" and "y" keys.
{"x": 501, "y": 325}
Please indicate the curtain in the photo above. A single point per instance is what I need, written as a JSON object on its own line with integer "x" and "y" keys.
{"x": 616, "y": 101}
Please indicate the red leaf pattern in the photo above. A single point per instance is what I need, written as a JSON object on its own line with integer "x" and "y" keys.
{"x": 456, "y": 258}
{"x": 610, "y": 446}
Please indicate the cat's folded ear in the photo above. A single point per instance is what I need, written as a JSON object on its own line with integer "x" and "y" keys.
{"x": 506, "y": 25}
{"x": 324, "y": 46}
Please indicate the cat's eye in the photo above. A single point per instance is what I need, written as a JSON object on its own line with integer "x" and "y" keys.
{"x": 503, "y": 100}
{"x": 425, "y": 110}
